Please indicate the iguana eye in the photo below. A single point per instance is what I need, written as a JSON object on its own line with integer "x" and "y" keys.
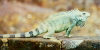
{"x": 84, "y": 13}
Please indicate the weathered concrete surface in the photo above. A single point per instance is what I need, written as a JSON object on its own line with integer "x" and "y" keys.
{"x": 81, "y": 43}
{"x": 73, "y": 43}
{"x": 33, "y": 44}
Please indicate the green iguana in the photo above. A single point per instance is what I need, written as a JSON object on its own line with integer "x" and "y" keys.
{"x": 55, "y": 23}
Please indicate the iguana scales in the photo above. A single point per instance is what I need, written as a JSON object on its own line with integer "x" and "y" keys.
{"x": 62, "y": 21}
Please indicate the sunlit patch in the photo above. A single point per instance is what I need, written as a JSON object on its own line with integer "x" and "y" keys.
{"x": 7, "y": 35}
{"x": 69, "y": 44}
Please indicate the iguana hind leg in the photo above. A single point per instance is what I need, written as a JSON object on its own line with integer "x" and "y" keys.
{"x": 49, "y": 34}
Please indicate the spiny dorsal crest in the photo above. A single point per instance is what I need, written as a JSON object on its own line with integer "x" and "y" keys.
{"x": 74, "y": 12}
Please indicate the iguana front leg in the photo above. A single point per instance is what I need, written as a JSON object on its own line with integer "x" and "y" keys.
{"x": 70, "y": 28}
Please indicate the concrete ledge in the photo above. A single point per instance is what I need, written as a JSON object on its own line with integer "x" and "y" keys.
{"x": 73, "y": 43}
{"x": 81, "y": 43}
{"x": 32, "y": 44}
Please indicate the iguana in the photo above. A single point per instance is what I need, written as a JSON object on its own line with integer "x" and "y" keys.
{"x": 55, "y": 23}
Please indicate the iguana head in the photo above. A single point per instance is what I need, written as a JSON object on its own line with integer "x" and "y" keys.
{"x": 81, "y": 18}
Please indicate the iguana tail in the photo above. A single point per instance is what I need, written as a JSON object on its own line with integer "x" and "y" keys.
{"x": 32, "y": 33}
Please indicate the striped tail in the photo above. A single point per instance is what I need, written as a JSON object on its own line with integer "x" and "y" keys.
{"x": 23, "y": 35}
